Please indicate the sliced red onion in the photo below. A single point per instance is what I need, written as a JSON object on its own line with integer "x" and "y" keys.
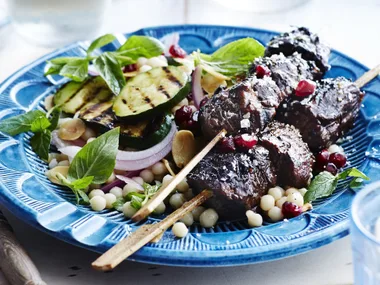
{"x": 168, "y": 41}
{"x": 119, "y": 183}
{"x": 71, "y": 151}
{"x": 134, "y": 160}
{"x": 196, "y": 86}
{"x": 130, "y": 181}
{"x": 60, "y": 143}
{"x": 92, "y": 70}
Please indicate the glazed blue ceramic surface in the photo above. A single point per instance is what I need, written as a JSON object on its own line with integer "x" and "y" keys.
{"x": 29, "y": 194}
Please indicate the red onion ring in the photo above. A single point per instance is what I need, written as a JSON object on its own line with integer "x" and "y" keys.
{"x": 196, "y": 86}
{"x": 119, "y": 183}
{"x": 168, "y": 41}
{"x": 134, "y": 160}
{"x": 128, "y": 180}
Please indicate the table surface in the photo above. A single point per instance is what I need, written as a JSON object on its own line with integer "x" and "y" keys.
{"x": 348, "y": 26}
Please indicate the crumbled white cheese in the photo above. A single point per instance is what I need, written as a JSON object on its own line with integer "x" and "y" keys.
{"x": 247, "y": 115}
{"x": 245, "y": 124}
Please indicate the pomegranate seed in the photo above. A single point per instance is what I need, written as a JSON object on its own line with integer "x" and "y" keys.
{"x": 322, "y": 158}
{"x": 291, "y": 210}
{"x": 245, "y": 141}
{"x": 262, "y": 71}
{"x": 183, "y": 114}
{"x": 227, "y": 145}
{"x": 130, "y": 68}
{"x": 177, "y": 51}
{"x": 338, "y": 159}
{"x": 305, "y": 88}
{"x": 203, "y": 102}
{"x": 330, "y": 167}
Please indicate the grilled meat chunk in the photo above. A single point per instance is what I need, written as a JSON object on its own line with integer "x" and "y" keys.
{"x": 288, "y": 71}
{"x": 291, "y": 156}
{"x": 301, "y": 40}
{"x": 249, "y": 106}
{"x": 238, "y": 180}
{"x": 327, "y": 114}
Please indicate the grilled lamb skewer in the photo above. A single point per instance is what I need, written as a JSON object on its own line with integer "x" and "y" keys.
{"x": 304, "y": 42}
{"x": 324, "y": 116}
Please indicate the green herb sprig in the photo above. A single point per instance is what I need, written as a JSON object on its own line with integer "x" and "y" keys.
{"x": 108, "y": 64}
{"x": 94, "y": 163}
{"x": 232, "y": 59}
{"x": 37, "y": 122}
{"x": 324, "y": 184}
{"x": 137, "y": 199}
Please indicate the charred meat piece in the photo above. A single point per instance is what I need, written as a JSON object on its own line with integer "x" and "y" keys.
{"x": 291, "y": 156}
{"x": 238, "y": 180}
{"x": 287, "y": 71}
{"x": 248, "y": 106}
{"x": 301, "y": 40}
{"x": 327, "y": 114}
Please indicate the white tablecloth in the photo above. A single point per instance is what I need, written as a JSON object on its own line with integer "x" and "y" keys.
{"x": 349, "y": 26}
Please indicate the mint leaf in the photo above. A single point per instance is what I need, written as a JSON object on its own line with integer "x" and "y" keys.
{"x": 54, "y": 118}
{"x": 123, "y": 60}
{"x": 96, "y": 158}
{"x": 233, "y": 58}
{"x": 76, "y": 70}
{"x": 110, "y": 70}
{"x": 40, "y": 143}
{"x": 118, "y": 204}
{"x": 352, "y": 172}
{"x": 131, "y": 194}
{"x": 356, "y": 183}
{"x": 39, "y": 124}
{"x": 100, "y": 42}
{"x": 82, "y": 183}
{"x": 141, "y": 46}
{"x": 21, "y": 123}
{"x": 54, "y": 69}
{"x": 323, "y": 185}
{"x": 150, "y": 190}
{"x": 136, "y": 202}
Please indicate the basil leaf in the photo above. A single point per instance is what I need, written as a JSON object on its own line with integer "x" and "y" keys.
{"x": 110, "y": 70}
{"x": 356, "y": 183}
{"x": 142, "y": 46}
{"x": 54, "y": 119}
{"x": 322, "y": 185}
{"x": 76, "y": 70}
{"x": 122, "y": 59}
{"x": 233, "y": 58}
{"x": 21, "y": 123}
{"x": 40, "y": 143}
{"x": 54, "y": 69}
{"x": 352, "y": 172}
{"x": 40, "y": 124}
{"x": 136, "y": 202}
{"x": 96, "y": 158}
{"x": 64, "y": 60}
{"x": 100, "y": 42}
{"x": 118, "y": 204}
{"x": 82, "y": 183}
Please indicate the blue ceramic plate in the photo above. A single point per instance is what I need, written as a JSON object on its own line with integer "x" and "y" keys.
{"x": 29, "y": 194}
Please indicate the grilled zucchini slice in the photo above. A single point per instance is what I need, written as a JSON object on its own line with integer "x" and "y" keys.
{"x": 152, "y": 92}
{"x": 140, "y": 135}
{"x": 74, "y": 96}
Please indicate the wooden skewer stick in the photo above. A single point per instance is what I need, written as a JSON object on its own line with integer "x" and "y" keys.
{"x": 145, "y": 234}
{"x": 164, "y": 192}
{"x": 15, "y": 263}
{"x": 368, "y": 76}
